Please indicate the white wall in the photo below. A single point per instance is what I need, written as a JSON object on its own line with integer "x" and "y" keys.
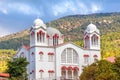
{"x": 45, "y": 64}
{"x": 80, "y": 52}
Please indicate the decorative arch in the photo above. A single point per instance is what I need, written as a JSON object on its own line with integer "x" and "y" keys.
{"x": 69, "y": 55}
{"x": 41, "y": 70}
{"x": 41, "y": 53}
{"x": 86, "y": 37}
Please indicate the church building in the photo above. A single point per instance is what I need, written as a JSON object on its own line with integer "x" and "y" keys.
{"x": 50, "y": 58}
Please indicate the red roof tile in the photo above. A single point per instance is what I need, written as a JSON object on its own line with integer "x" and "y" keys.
{"x": 26, "y": 47}
{"x": 4, "y": 75}
{"x": 111, "y": 59}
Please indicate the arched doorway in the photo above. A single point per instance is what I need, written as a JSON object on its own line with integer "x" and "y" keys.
{"x": 75, "y": 72}
{"x": 69, "y": 74}
{"x": 63, "y": 73}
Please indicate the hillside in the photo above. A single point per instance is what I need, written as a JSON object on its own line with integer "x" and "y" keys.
{"x": 73, "y": 27}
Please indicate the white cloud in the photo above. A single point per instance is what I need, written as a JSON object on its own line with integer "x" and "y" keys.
{"x": 95, "y": 8}
{"x": 61, "y": 8}
{"x": 83, "y": 9}
{"x": 76, "y": 7}
{"x": 3, "y": 8}
{"x": 23, "y": 8}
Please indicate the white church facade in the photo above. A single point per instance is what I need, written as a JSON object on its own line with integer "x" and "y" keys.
{"x": 50, "y": 58}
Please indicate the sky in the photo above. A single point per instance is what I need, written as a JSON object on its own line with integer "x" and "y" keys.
{"x": 18, "y": 15}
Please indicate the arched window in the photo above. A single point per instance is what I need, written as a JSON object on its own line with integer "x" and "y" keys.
{"x": 55, "y": 40}
{"x": 48, "y": 38}
{"x": 95, "y": 57}
{"x": 32, "y": 37}
{"x": 40, "y": 36}
{"x": 63, "y": 73}
{"x": 50, "y": 56}
{"x": 41, "y": 73}
{"x": 94, "y": 40}
{"x": 86, "y": 59}
{"x": 41, "y": 55}
{"x": 32, "y": 56}
{"x": 69, "y": 55}
{"x": 51, "y": 73}
{"x": 86, "y": 41}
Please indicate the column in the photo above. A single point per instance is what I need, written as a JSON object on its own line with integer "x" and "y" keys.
{"x": 72, "y": 73}
{"x": 66, "y": 73}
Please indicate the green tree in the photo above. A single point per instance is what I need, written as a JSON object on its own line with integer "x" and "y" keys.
{"x": 117, "y": 66}
{"x": 17, "y": 69}
{"x": 100, "y": 70}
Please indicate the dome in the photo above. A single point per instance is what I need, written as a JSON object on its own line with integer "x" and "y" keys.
{"x": 91, "y": 28}
{"x": 51, "y": 31}
{"x": 38, "y": 23}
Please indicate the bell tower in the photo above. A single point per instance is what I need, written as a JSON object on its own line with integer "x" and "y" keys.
{"x": 92, "y": 37}
{"x": 38, "y": 33}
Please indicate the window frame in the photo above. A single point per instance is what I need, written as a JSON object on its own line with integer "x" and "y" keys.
{"x": 65, "y": 55}
{"x": 50, "y": 57}
{"x": 86, "y": 59}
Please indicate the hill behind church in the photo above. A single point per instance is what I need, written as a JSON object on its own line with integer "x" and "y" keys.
{"x": 73, "y": 27}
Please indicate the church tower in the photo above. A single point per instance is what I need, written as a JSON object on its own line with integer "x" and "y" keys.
{"x": 92, "y": 37}
{"x": 37, "y": 43}
{"x": 38, "y": 33}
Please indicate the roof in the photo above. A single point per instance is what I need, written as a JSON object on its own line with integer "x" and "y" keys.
{"x": 38, "y": 23}
{"x": 23, "y": 46}
{"x": 75, "y": 45}
{"x": 111, "y": 59}
{"x": 69, "y": 43}
{"x": 60, "y": 45}
{"x": 51, "y": 31}
{"x": 4, "y": 75}
{"x": 92, "y": 28}
{"x": 26, "y": 47}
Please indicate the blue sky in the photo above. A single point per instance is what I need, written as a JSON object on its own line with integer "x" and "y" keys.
{"x": 17, "y": 15}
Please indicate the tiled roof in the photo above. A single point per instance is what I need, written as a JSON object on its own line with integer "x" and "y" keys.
{"x": 111, "y": 59}
{"x": 26, "y": 47}
{"x": 4, "y": 75}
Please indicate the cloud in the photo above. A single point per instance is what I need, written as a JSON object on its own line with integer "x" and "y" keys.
{"x": 24, "y": 8}
{"x": 3, "y": 8}
{"x": 17, "y": 7}
{"x": 75, "y": 7}
{"x": 23, "y": 11}
{"x": 62, "y": 8}
{"x": 95, "y": 8}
